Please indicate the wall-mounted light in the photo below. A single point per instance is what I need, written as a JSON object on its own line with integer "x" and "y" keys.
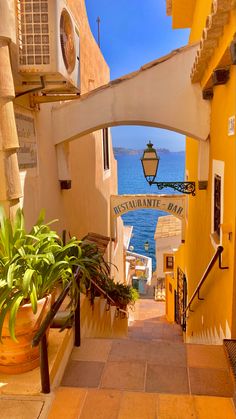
{"x": 150, "y": 161}
{"x": 65, "y": 184}
{"x": 146, "y": 246}
{"x": 207, "y": 94}
{"x": 220, "y": 76}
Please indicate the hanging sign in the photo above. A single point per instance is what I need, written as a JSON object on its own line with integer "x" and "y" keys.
{"x": 173, "y": 204}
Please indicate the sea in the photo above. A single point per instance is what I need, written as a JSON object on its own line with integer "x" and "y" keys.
{"x": 131, "y": 181}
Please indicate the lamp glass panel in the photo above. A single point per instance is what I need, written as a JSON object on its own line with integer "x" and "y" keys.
{"x": 150, "y": 167}
{"x": 150, "y": 155}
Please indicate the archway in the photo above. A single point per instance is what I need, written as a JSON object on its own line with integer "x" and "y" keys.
{"x": 160, "y": 95}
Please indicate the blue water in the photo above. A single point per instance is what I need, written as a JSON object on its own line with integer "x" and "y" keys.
{"x": 132, "y": 181}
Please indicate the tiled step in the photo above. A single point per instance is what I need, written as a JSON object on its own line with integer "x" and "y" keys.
{"x": 149, "y": 366}
{"x": 84, "y": 403}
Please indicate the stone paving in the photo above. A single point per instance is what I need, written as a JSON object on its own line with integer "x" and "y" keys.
{"x": 151, "y": 374}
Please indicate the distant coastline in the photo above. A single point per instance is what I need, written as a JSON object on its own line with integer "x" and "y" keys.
{"x": 121, "y": 151}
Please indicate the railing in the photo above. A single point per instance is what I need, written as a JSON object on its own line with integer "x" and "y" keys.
{"x": 40, "y": 336}
{"x": 109, "y": 299}
{"x": 216, "y": 256}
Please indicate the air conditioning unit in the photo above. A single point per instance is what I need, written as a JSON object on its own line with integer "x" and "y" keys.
{"x": 48, "y": 46}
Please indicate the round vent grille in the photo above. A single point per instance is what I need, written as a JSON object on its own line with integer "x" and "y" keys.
{"x": 67, "y": 41}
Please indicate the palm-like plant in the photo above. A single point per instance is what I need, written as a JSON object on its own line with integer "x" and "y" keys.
{"x": 32, "y": 264}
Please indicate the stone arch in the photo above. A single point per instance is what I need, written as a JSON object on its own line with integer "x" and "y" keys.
{"x": 160, "y": 95}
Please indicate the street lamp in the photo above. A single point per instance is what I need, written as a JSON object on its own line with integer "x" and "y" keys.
{"x": 150, "y": 162}
{"x": 146, "y": 246}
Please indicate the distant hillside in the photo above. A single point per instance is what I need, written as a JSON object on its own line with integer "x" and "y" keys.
{"x": 129, "y": 151}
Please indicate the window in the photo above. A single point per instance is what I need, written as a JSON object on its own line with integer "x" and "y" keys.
{"x": 168, "y": 262}
{"x": 217, "y": 204}
{"x": 105, "y": 138}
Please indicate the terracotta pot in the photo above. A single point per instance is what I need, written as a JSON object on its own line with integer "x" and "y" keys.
{"x": 16, "y": 358}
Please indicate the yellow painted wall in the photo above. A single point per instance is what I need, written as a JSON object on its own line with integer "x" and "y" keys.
{"x": 170, "y": 298}
{"x": 213, "y": 318}
{"x": 182, "y": 13}
{"x": 201, "y": 11}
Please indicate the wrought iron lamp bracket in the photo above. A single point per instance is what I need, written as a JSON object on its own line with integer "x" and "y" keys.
{"x": 183, "y": 187}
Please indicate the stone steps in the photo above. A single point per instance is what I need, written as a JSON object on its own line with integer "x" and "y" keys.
{"x": 85, "y": 403}
{"x": 151, "y": 374}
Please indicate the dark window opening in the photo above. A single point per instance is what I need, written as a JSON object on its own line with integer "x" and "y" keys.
{"x": 170, "y": 262}
{"x": 217, "y": 204}
{"x": 105, "y": 138}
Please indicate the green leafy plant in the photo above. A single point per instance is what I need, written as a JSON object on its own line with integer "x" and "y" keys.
{"x": 32, "y": 264}
{"x": 122, "y": 294}
{"x": 98, "y": 270}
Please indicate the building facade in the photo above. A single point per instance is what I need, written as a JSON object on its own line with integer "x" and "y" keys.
{"x": 210, "y": 216}
{"x": 49, "y": 56}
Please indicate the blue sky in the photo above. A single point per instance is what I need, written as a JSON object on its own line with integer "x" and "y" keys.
{"x": 134, "y": 32}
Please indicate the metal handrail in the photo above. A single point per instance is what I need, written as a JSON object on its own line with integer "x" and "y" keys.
{"x": 40, "y": 336}
{"x": 216, "y": 256}
{"x": 50, "y": 316}
{"x": 110, "y": 300}
{"x": 102, "y": 292}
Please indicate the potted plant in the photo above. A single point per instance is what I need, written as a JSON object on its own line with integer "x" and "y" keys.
{"x": 98, "y": 270}
{"x": 32, "y": 265}
{"x": 122, "y": 294}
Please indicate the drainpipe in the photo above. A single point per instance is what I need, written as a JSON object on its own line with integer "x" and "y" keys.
{"x": 10, "y": 187}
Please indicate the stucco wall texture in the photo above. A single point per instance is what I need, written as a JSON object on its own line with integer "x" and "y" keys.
{"x": 86, "y": 206}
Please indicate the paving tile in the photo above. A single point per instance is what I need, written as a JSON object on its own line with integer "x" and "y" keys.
{"x": 206, "y": 356}
{"x": 83, "y": 374}
{"x": 138, "y": 406}
{"x": 177, "y": 339}
{"x": 211, "y": 382}
{"x": 20, "y": 409}
{"x": 214, "y": 407}
{"x": 92, "y": 350}
{"x": 166, "y": 379}
{"x": 124, "y": 375}
{"x": 101, "y": 404}
{"x": 167, "y": 353}
{"x": 171, "y": 406}
{"x": 139, "y": 336}
{"x": 68, "y": 403}
{"x": 133, "y": 350}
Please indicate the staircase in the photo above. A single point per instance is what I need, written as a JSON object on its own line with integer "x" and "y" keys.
{"x": 102, "y": 320}
{"x": 150, "y": 374}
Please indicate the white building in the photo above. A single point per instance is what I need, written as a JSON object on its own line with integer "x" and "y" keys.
{"x": 168, "y": 238}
